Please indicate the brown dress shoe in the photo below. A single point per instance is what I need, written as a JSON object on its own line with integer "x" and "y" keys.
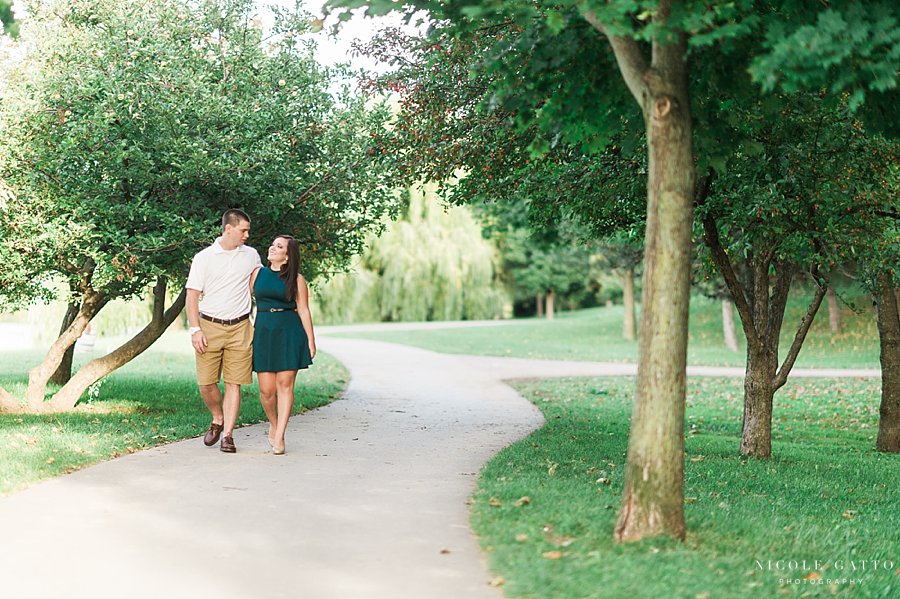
{"x": 227, "y": 445}
{"x": 212, "y": 435}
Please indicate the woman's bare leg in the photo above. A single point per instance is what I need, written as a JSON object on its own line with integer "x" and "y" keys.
{"x": 268, "y": 399}
{"x": 284, "y": 383}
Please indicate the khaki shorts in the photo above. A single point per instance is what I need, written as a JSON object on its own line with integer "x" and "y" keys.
{"x": 229, "y": 352}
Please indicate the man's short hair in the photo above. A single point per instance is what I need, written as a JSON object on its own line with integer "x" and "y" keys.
{"x": 233, "y": 217}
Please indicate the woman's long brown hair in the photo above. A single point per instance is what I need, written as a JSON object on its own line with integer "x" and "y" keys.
{"x": 291, "y": 268}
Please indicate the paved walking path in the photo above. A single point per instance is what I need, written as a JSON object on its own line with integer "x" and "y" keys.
{"x": 370, "y": 501}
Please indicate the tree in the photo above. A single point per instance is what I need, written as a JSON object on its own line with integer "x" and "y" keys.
{"x": 888, "y": 439}
{"x": 543, "y": 270}
{"x": 834, "y": 310}
{"x": 851, "y": 49}
{"x": 802, "y": 205}
{"x": 130, "y": 127}
{"x": 623, "y": 254}
{"x": 880, "y": 255}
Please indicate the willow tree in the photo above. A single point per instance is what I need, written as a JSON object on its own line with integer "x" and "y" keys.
{"x": 127, "y": 130}
{"x": 431, "y": 263}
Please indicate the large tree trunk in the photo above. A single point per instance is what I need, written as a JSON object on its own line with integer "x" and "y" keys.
{"x": 96, "y": 369}
{"x": 39, "y": 376}
{"x": 551, "y": 308}
{"x": 539, "y": 300}
{"x": 889, "y": 337}
{"x": 834, "y": 311}
{"x": 64, "y": 370}
{"x": 653, "y": 496}
{"x": 728, "y": 329}
{"x": 628, "y": 330}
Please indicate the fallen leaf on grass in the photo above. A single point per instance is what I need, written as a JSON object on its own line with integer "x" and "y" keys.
{"x": 603, "y": 481}
{"x": 555, "y": 554}
{"x": 699, "y": 458}
{"x": 521, "y": 538}
{"x": 494, "y": 502}
{"x": 523, "y": 501}
{"x": 556, "y": 539}
{"x": 849, "y": 514}
{"x": 51, "y": 460}
{"x": 813, "y": 576}
{"x": 497, "y": 581}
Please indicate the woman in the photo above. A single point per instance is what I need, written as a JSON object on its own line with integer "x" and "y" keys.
{"x": 283, "y": 338}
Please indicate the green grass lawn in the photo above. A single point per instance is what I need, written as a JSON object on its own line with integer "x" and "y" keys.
{"x": 596, "y": 334}
{"x": 150, "y": 401}
{"x": 546, "y": 506}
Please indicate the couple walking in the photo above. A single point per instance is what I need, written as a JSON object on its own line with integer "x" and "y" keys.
{"x": 227, "y": 346}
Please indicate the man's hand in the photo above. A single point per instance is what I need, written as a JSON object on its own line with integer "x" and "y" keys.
{"x": 198, "y": 340}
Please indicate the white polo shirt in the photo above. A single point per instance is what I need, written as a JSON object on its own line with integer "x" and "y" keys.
{"x": 223, "y": 278}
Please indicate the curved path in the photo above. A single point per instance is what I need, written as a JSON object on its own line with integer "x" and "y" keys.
{"x": 370, "y": 501}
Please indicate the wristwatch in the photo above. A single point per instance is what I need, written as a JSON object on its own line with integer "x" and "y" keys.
{"x": 193, "y": 330}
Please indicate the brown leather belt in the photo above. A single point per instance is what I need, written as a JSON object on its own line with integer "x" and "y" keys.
{"x": 225, "y": 321}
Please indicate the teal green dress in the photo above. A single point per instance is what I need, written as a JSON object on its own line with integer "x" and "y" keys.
{"x": 279, "y": 341}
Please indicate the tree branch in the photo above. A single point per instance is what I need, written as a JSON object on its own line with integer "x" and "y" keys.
{"x": 781, "y": 377}
{"x": 631, "y": 61}
{"x": 726, "y": 269}
{"x": 68, "y": 395}
{"x": 778, "y": 301}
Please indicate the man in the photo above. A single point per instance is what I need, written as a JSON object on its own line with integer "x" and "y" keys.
{"x": 220, "y": 327}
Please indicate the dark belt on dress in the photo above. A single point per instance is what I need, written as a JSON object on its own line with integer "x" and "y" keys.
{"x": 226, "y": 321}
{"x": 272, "y": 309}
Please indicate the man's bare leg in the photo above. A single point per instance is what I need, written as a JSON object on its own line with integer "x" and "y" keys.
{"x": 231, "y": 407}
{"x": 212, "y": 397}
